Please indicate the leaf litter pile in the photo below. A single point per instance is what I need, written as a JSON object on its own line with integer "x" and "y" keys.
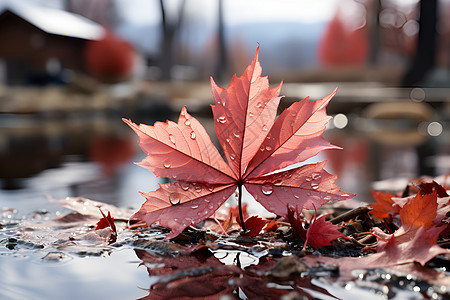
{"x": 196, "y": 245}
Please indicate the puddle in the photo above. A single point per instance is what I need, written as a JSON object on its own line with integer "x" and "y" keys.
{"x": 29, "y": 276}
{"x": 55, "y": 253}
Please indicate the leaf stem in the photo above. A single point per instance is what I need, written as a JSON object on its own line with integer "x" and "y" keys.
{"x": 240, "y": 206}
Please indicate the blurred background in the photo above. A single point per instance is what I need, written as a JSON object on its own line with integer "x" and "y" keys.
{"x": 71, "y": 69}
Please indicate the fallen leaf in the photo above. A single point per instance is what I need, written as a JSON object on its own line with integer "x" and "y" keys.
{"x": 321, "y": 233}
{"x": 394, "y": 251}
{"x": 254, "y": 225}
{"x": 296, "y": 221}
{"x": 419, "y": 211}
{"x": 106, "y": 221}
{"x": 384, "y": 206}
{"x": 255, "y": 144}
{"x": 429, "y": 187}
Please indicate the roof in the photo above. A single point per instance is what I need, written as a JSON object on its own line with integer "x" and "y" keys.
{"x": 55, "y": 21}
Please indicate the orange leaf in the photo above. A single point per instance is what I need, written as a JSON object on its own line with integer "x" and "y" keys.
{"x": 384, "y": 206}
{"x": 419, "y": 211}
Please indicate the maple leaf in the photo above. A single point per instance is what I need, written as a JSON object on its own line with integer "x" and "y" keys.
{"x": 254, "y": 225}
{"x": 419, "y": 211}
{"x": 256, "y": 145}
{"x": 384, "y": 206}
{"x": 419, "y": 247}
{"x": 321, "y": 233}
{"x": 107, "y": 221}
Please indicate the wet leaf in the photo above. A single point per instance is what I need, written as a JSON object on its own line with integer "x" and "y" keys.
{"x": 255, "y": 144}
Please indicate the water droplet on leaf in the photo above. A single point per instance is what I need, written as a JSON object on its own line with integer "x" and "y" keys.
{"x": 174, "y": 199}
{"x": 264, "y": 128}
{"x": 268, "y": 148}
{"x": 166, "y": 164}
{"x": 187, "y": 122}
{"x": 222, "y": 119}
{"x": 267, "y": 189}
{"x": 316, "y": 176}
{"x": 193, "y": 135}
{"x": 232, "y": 156}
{"x": 314, "y": 186}
{"x": 194, "y": 206}
{"x": 172, "y": 138}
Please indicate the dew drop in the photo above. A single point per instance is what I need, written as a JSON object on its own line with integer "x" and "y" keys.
{"x": 185, "y": 186}
{"x": 308, "y": 179}
{"x": 207, "y": 200}
{"x": 236, "y": 133}
{"x": 268, "y": 136}
{"x": 232, "y": 156}
{"x": 187, "y": 122}
{"x": 228, "y": 140}
{"x": 262, "y": 148}
{"x": 176, "y": 219}
{"x": 314, "y": 186}
{"x": 210, "y": 206}
{"x": 211, "y": 189}
{"x": 296, "y": 196}
{"x": 278, "y": 182}
{"x": 174, "y": 199}
{"x": 222, "y": 119}
{"x": 198, "y": 188}
{"x": 172, "y": 138}
{"x": 268, "y": 148}
{"x": 250, "y": 114}
{"x": 264, "y": 128}
{"x": 345, "y": 195}
{"x": 194, "y": 206}
{"x": 315, "y": 176}
{"x": 259, "y": 105}
{"x": 193, "y": 135}
{"x": 166, "y": 164}
{"x": 267, "y": 189}
{"x": 328, "y": 198}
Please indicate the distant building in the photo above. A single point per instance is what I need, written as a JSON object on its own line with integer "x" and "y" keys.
{"x": 37, "y": 43}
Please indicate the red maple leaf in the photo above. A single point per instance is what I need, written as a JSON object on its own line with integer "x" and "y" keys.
{"x": 297, "y": 222}
{"x": 418, "y": 247}
{"x": 321, "y": 233}
{"x": 256, "y": 145}
{"x": 107, "y": 221}
{"x": 254, "y": 225}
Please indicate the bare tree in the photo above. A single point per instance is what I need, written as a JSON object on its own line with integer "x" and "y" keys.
{"x": 170, "y": 29}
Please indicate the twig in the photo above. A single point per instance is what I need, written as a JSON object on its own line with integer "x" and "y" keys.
{"x": 351, "y": 214}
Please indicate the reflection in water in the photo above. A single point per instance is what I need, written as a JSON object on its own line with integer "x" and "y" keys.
{"x": 84, "y": 155}
{"x": 201, "y": 274}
